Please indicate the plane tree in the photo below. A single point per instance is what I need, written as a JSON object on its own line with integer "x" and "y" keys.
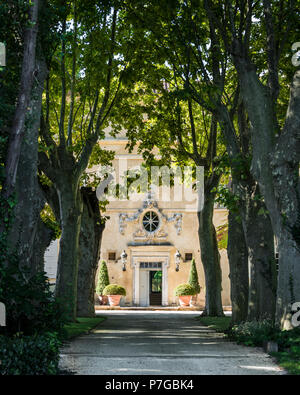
{"x": 182, "y": 39}
{"x": 259, "y": 37}
{"x": 83, "y": 84}
{"x": 161, "y": 114}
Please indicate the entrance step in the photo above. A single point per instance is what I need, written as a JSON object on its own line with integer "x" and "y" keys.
{"x": 150, "y": 308}
{"x": 155, "y": 308}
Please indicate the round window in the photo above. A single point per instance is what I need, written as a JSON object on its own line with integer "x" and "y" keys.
{"x": 151, "y": 221}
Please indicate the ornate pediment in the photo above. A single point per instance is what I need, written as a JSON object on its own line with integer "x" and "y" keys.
{"x": 140, "y": 234}
{"x": 150, "y": 221}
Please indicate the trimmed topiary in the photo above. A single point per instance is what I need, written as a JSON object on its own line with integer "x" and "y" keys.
{"x": 184, "y": 289}
{"x": 114, "y": 289}
{"x": 193, "y": 277}
{"x": 103, "y": 279}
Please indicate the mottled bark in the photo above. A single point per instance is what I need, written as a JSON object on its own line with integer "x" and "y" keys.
{"x": 90, "y": 238}
{"x": 70, "y": 204}
{"x": 261, "y": 257}
{"x": 24, "y": 97}
{"x": 275, "y": 166}
{"x": 258, "y": 232}
{"x": 42, "y": 240}
{"x": 30, "y": 200}
{"x": 238, "y": 266}
{"x": 209, "y": 251}
{"x": 285, "y": 171}
{"x": 259, "y": 239}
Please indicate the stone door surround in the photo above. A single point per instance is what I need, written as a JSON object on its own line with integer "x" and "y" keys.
{"x": 150, "y": 254}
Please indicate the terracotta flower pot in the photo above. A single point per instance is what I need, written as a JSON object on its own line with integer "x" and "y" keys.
{"x": 103, "y": 299}
{"x": 184, "y": 300}
{"x": 114, "y": 300}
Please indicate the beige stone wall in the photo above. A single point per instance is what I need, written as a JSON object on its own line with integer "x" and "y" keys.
{"x": 186, "y": 242}
{"x": 50, "y": 258}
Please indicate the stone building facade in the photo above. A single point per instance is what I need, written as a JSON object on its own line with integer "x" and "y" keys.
{"x": 151, "y": 233}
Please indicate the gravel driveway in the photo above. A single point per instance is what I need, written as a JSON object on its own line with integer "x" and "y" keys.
{"x": 161, "y": 343}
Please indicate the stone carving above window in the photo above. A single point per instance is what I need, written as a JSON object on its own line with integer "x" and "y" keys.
{"x": 150, "y": 220}
{"x": 142, "y": 235}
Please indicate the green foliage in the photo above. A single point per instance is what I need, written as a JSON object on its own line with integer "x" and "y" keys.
{"x": 50, "y": 221}
{"x": 114, "y": 289}
{"x": 30, "y": 305}
{"x": 193, "y": 277}
{"x": 184, "y": 289}
{"x": 290, "y": 359}
{"x": 30, "y": 355}
{"x": 103, "y": 278}
{"x": 168, "y": 88}
{"x": 29, "y": 344}
{"x": 227, "y": 199}
{"x": 256, "y": 333}
{"x": 93, "y": 60}
{"x": 222, "y": 236}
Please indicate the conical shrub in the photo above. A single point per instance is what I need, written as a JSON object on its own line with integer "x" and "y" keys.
{"x": 103, "y": 279}
{"x": 193, "y": 277}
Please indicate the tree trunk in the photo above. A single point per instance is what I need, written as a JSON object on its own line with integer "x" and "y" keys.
{"x": 259, "y": 238}
{"x": 258, "y": 232}
{"x": 30, "y": 200}
{"x": 285, "y": 171}
{"x": 238, "y": 265}
{"x": 209, "y": 252}
{"x": 25, "y": 93}
{"x": 89, "y": 247}
{"x": 67, "y": 271}
{"x": 288, "y": 287}
{"x": 262, "y": 269}
{"x": 275, "y": 165}
{"x": 43, "y": 238}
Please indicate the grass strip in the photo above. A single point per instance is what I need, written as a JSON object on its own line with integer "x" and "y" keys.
{"x": 219, "y": 324}
{"x": 83, "y": 325}
{"x": 288, "y": 356}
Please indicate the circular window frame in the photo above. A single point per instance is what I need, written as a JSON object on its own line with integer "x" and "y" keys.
{"x": 158, "y": 224}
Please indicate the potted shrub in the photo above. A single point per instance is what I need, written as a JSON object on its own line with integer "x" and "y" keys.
{"x": 185, "y": 293}
{"x": 114, "y": 293}
{"x": 194, "y": 282}
{"x": 103, "y": 281}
